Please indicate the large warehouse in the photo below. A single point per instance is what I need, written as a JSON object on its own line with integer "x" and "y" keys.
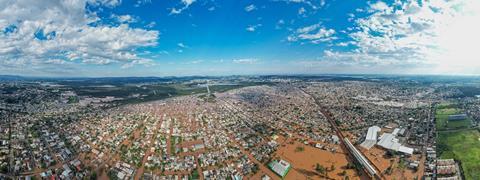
{"x": 390, "y": 142}
{"x": 371, "y": 138}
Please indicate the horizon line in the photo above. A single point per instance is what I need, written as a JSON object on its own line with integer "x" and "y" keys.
{"x": 231, "y": 75}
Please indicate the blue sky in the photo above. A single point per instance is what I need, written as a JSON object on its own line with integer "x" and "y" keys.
{"x": 213, "y": 37}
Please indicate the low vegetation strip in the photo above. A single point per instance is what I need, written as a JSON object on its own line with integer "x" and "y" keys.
{"x": 463, "y": 146}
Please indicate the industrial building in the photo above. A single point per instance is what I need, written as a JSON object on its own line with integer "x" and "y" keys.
{"x": 390, "y": 142}
{"x": 371, "y": 138}
{"x": 399, "y": 132}
{"x": 280, "y": 167}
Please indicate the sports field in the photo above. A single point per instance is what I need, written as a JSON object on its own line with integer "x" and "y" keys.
{"x": 464, "y": 146}
{"x": 441, "y": 114}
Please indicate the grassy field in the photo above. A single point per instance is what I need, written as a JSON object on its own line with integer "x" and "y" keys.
{"x": 463, "y": 146}
{"x": 441, "y": 114}
{"x": 459, "y": 124}
{"x": 445, "y": 105}
{"x": 150, "y": 92}
{"x": 447, "y": 111}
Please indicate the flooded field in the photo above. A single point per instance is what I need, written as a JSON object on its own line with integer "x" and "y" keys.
{"x": 304, "y": 159}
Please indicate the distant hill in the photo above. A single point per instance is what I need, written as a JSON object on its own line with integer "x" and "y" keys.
{"x": 11, "y": 77}
{"x": 103, "y": 80}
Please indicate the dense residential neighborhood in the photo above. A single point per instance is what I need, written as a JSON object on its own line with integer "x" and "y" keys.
{"x": 280, "y": 128}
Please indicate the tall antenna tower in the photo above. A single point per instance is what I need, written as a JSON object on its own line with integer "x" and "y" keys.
{"x": 208, "y": 91}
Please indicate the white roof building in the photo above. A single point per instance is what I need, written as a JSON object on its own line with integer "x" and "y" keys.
{"x": 395, "y": 131}
{"x": 389, "y": 141}
{"x": 371, "y": 138}
{"x": 280, "y": 167}
{"x": 266, "y": 177}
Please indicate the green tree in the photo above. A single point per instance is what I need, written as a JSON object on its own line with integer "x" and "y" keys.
{"x": 320, "y": 169}
{"x": 93, "y": 176}
{"x": 299, "y": 149}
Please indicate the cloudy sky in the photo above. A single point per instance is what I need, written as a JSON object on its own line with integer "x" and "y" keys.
{"x": 225, "y": 37}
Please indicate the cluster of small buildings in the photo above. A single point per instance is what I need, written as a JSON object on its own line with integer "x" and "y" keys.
{"x": 430, "y": 163}
{"x": 186, "y": 137}
{"x": 472, "y": 109}
{"x": 396, "y": 117}
{"x": 227, "y": 172}
{"x": 356, "y": 105}
{"x": 178, "y": 138}
{"x": 122, "y": 171}
{"x": 4, "y": 146}
{"x": 35, "y": 136}
{"x": 448, "y": 169}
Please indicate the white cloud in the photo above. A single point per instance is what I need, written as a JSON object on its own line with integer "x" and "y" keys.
{"x": 253, "y": 28}
{"x": 182, "y": 45}
{"x": 245, "y": 61}
{"x": 164, "y": 52}
{"x": 280, "y": 24}
{"x": 379, "y": 6}
{"x": 359, "y": 10}
{"x": 314, "y": 33}
{"x": 188, "y": 2}
{"x": 321, "y": 35}
{"x": 195, "y": 62}
{"x": 144, "y": 62}
{"x": 351, "y": 16}
{"x": 301, "y": 11}
{"x": 55, "y": 29}
{"x": 307, "y": 29}
{"x": 185, "y": 5}
{"x": 250, "y": 7}
{"x": 124, "y": 18}
{"x": 440, "y": 34}
{"x": 151, "y": 24}
{"x": 142, "y": 2}
{"x": 314, "y": 4}
{"x": 107, "y": 3}
{"x": 56, "y": 61}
